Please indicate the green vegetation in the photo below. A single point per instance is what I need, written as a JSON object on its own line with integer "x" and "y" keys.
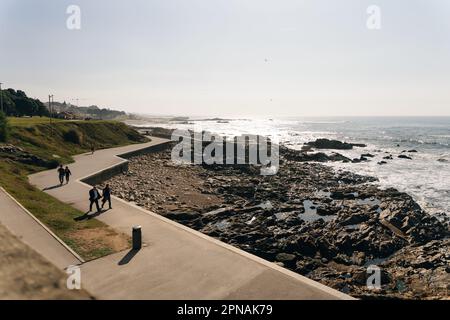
{"x": 58, "y": 216}
{"x": 73, "y": 136}
{"x": 92, "y": 112}
{"x": 89, "y": 238}
{"x": 31, "y": 121}
{"x": 16, "y": 103}
{"x": 47, "y": 140}
{"x": 4, "y": 127}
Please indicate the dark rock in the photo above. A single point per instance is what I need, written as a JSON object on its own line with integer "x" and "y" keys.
{"x": 306, "y": 265}
{"x": 331, "y": 250}
{"x": 402, "y": 156}
{"x": 296, "y": 155}
{"x": 333, "y": 144}
{"x": 339, "y": 195}
{"x": 342, "y": 259}
{"x": 306, "y": 245}
{"x": 181, "y": 215}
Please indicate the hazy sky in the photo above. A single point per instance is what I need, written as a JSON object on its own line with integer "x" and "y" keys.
{"x": 232, "y": 57}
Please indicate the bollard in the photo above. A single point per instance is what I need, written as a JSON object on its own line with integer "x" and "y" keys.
{"x": 137, "y": 237}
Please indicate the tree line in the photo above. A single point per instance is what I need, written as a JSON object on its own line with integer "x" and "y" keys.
{"x": 17, "y": 104}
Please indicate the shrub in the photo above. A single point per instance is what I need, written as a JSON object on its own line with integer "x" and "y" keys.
{"x": 73, "y": 136}
{"x": 4, "y": 127}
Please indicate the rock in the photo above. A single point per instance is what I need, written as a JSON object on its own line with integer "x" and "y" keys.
{"x": 285, "y": 257}
{"x": 326, "y": 211}
{"x": 402, "y": 156}
{"x": 9, "y": 148}
{"x": 306, "y": 245}
{"x": 343, "y": 259}
{"x": 331, "y": 249}
{"x": 381, "y": 162}
{"x": 306, "y": 265}
{"x": 358, "y": 258}
{"x": 413, "y": 150}
{"x": 341, "y": 195}
{"x": 296, "y": 155}
{"x": 181, "y": 215}
{"x": 333, "y": 144}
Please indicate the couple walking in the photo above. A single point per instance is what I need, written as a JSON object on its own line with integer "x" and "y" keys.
{"x": 94, "y": 196}
{"x": 64, "y": 173}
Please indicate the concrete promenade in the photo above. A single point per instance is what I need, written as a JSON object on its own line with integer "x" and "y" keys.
{"x": 176, "y": 262}
{"x": 20, "y": 222}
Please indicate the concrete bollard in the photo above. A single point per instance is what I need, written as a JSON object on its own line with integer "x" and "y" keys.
{"x": 137, "y": 238}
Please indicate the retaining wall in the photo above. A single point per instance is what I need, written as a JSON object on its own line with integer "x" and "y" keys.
{"x": 122, "y": 167}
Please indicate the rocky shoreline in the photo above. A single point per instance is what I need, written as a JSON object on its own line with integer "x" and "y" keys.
{"x": 327, "y": 225}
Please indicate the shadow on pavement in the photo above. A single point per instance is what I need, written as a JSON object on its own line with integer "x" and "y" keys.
{"x": 53, "y": 187}
{"x": 88, "y": 216}
{"x": 127, "y": 258}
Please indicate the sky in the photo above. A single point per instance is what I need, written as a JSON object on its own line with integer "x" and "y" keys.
{"x": 232, "y": 57}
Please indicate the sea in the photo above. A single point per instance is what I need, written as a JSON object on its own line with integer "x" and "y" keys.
{"x": 426, "y": 177}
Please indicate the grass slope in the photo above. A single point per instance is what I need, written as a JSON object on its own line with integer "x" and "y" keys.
{"x": 47, "y": 141}
{"x": 89, "y": 238}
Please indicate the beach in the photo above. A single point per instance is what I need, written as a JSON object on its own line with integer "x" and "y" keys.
{"x": 327, "y": 224}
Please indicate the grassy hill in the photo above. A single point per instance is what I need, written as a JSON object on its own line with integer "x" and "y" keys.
{"x": 62, "y": 139}
{"x": 44, "y": 145}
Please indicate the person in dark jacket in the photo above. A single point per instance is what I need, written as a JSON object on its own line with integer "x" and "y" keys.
{"x": 61, "y": 174}
{"x": 94, "y": 196}
{"x": 67, "y": 173}
{"x": 106, "y": 196}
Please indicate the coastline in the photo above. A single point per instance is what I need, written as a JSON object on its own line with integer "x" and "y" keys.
{"x": 326, "y": 227}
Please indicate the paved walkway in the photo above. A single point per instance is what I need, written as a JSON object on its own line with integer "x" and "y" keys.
{"x": 23, "y": 225}
{"x": 176, "y": 262}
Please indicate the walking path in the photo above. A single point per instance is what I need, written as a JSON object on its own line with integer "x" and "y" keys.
{"x": 26, "y": 227}
{"x": 176, "y": 262}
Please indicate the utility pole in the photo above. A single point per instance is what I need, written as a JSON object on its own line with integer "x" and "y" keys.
{"x": 50, "y": 98}
{"x": 1, "y": 97}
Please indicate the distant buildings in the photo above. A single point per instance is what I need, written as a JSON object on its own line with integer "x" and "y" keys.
{"x": 66, "y": 115}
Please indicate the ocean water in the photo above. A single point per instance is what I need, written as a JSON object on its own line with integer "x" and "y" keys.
{"x": 426, "y": 177}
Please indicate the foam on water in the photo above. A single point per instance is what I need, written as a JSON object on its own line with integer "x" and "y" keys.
{"x": 426, "y": 177}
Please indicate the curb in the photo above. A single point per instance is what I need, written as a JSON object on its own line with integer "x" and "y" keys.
{"x": 44, "y": 226}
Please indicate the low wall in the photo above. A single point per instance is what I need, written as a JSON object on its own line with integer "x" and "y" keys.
{"x": 151, "y": 149}
{"x": 122, "y": 167}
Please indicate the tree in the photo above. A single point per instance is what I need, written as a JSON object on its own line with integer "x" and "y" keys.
{"x": 4, "y": 127}
{"x": 26, "y": 107}
{"x": 9, "y": 107}
{"x": 41, "y": 109}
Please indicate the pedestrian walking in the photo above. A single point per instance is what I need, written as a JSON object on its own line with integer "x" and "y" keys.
{"x": 67, "y": 173}
{"x": 61, "y": 174}
{"x": 94, "y": 196}
{"x": 106, "y": 196}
